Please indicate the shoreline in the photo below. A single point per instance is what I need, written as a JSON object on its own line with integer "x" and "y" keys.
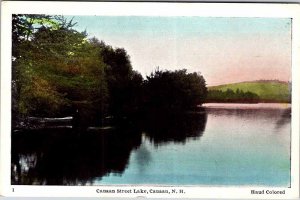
{"x": 248, "y": 105}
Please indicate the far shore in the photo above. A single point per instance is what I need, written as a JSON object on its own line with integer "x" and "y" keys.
{"x": 248, "y": 105}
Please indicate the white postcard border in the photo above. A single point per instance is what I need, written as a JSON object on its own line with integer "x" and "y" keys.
{"x": 145, "y": 9}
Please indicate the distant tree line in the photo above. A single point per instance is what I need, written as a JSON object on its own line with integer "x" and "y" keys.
{"x": 57, "y": 71}
{"x": 238, "y": 96}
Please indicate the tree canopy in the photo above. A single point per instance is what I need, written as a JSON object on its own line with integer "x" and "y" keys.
{"x": 177, "y": 90}
{"x": 58, "y": 70}
{"x": 55, "y": 68}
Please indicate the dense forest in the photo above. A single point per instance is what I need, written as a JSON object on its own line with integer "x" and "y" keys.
{"x": 58, "y": 71}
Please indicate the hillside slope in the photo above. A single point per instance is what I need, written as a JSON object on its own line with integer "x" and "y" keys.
{"x": 268, "y": 91}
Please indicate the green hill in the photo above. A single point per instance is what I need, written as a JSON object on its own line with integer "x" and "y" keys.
{"x": 268, "y": 91}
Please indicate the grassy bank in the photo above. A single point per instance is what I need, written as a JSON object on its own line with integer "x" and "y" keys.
{"x": 268, "y": 91}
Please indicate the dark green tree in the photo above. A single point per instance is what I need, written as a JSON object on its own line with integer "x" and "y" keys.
{"x": 59, "y": 71}
{"x": 124, "y": 84}
{"x": 23, "y": 28}
{"x": 174, "y": 90}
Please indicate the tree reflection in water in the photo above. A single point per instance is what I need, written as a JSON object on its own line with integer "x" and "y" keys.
{"x": 284, "y": 119}
{"x": 166, "y": 127}
{"x": 62, "y": 159}
{"x": 66, "y": 157}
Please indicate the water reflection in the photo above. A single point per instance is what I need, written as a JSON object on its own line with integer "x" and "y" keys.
{"x": 60, "y": 158}
{"x": 143, "y": 157}
{"x": 285, "y": 118}
{"x": 254, "y": 113}
{"x": 161, "y": 148}
{"x": 68, "y": 157}
{"x": 240, "y": 146}
{"x": 179, "y": 128}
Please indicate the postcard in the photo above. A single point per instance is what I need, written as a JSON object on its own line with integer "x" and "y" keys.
{"x": 157, "y": 100}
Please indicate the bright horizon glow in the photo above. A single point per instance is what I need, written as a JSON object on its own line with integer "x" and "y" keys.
{"x": 223, "y": 50}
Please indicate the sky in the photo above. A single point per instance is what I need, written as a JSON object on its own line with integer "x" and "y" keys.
{"x": 223, "y": 50}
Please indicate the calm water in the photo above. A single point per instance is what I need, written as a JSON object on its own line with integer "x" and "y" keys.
{"x": 236, "y": 144}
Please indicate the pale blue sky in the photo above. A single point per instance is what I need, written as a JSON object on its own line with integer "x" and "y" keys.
{"x": 222, "y": 49}
{"x": 183, "y": 26}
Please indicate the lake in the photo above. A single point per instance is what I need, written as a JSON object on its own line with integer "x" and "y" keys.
{"x": 221, "y": 145}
